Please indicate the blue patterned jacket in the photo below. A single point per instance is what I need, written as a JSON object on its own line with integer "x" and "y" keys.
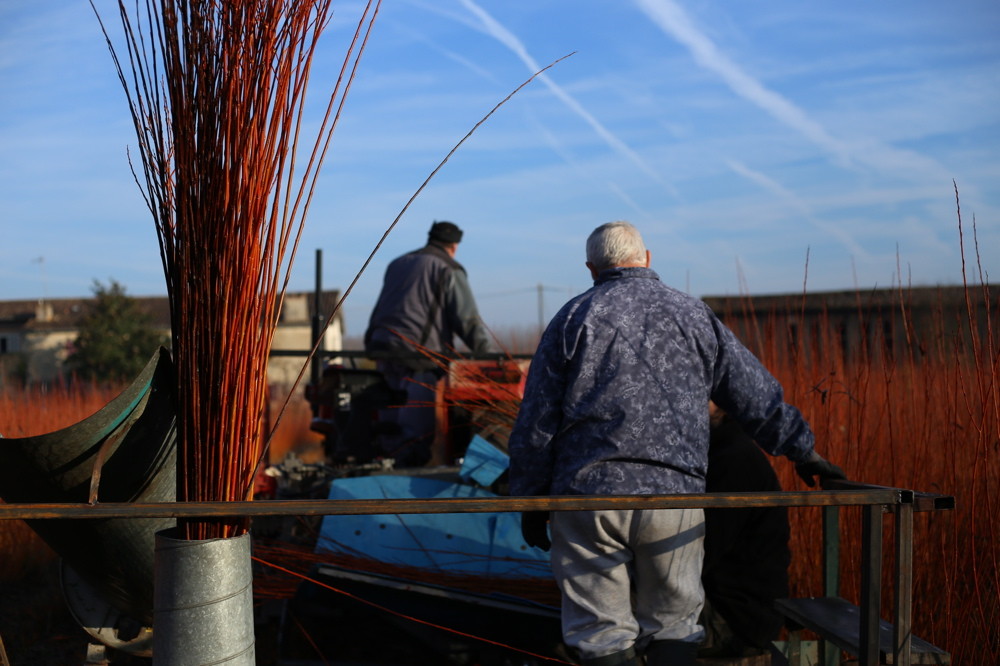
{"x": 616, "y": 400}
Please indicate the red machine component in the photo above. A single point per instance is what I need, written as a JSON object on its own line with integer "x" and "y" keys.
{"x": 476, "y": 397}
{"x": 473, "y": 396}
{"x": 486, "y": 381}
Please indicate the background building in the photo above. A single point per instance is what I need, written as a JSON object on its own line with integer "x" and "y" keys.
{"x": 875, "y": 324}
{"x": 36, "y": 337}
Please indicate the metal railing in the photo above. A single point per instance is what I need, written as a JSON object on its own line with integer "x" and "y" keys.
{"x": 875, "y": 501}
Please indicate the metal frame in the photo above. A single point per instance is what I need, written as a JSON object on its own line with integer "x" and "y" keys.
{"x": 871, "y": 572}
{"x": 873, "y": 500}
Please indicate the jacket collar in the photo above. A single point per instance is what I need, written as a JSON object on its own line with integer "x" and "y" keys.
{"x": 620, "y": 272}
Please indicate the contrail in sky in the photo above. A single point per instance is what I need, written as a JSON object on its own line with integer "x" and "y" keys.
{"x": 570, "y": 160}
{"x": 673, "y": 20}
{"x": 782, "y": 192}
{"x": 448, "y": 53}
{"x": 505, "y": 37}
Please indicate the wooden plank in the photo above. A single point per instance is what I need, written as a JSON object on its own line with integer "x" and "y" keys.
{"x": 839, "y": 621}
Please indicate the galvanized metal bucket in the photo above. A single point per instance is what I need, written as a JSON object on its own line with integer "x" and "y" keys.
{"x": 202, "y": 601}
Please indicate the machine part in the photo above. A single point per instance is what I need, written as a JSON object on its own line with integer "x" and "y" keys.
{"x": 100, "y": 619}
{"x": 133, "y": 439}
{"x": 203, "y": 601}
{"x": 97, "y": 655}
{"x": 346, "y": 403}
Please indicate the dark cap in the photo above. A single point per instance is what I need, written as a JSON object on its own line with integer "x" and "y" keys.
{"x": 445, "y": 232}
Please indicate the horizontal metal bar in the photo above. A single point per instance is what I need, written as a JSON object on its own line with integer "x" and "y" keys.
{"x": 906, "y": 496}
{"x": 921, "y": 501}
{"x": 344, "y": 353}
{"x": 933, "y": 502}
{"x": 42, "y": 511}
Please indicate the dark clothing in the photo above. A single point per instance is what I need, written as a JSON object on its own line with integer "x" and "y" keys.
{"x": 425, "y": 302}
{"x": 746, "y": 550}
{"x": 616, "y": 400}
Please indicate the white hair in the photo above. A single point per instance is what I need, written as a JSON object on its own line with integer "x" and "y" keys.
{"x": 615, "y": 244}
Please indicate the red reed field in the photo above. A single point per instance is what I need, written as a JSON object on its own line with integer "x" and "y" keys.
{"x": 925, "y": 416}
{"x": 30, "y": 411}
{"x": 34, "y": 621}
{"x": 36, "y": 411}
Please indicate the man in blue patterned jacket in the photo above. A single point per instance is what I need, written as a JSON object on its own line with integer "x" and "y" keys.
{"x": 616, "y": 403}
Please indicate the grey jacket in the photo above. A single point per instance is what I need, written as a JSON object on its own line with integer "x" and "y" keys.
{"x": 616, "y": 400}
{"x": 425, "y": 301}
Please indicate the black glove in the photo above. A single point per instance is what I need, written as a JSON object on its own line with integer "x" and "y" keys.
{"x": 534, "y": 529}
{"x": 817, "y": 465}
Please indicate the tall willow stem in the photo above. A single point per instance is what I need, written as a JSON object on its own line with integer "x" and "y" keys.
{"x": 216, "y": 91}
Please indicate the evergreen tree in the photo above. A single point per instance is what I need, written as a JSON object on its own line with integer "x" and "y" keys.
{"x": 116, "y": 337}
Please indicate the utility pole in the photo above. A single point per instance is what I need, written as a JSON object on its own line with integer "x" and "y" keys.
{"x": 317, "y": 330}
{"x": 541, "y": 309}
{"x": 45, "y": 283}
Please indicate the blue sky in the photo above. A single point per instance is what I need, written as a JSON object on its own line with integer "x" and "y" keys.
{"x": 757, "y": 145}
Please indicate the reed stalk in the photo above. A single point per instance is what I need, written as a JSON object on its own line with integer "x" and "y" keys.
{"x": 216, "y": 90}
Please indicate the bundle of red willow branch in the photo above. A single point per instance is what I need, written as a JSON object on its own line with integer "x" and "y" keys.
{"x": 216, "y": 90}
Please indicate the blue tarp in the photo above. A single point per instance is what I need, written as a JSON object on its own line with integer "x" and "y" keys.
{"x": 483, "y": 462}
{"x": 482, "y": 544}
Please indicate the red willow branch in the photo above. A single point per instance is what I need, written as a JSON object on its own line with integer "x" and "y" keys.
{"x": 216, "y": 90}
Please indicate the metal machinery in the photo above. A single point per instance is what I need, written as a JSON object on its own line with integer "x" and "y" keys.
{"x": 473, "y": 396}
{"x": 436, "y": 567}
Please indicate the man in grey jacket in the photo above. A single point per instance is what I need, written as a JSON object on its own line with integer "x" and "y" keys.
{"x": 425, "y": 303}
{"x": 616, "y": 403}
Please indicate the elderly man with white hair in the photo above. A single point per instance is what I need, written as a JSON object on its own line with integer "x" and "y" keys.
{"x": 616, "y": 403}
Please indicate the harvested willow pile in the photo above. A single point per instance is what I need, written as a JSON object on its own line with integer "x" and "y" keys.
{"x": 216, "y": 90}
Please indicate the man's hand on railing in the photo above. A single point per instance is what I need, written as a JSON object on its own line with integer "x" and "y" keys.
{"x": 534, "y": 529}
{"x": 817, "y": 465}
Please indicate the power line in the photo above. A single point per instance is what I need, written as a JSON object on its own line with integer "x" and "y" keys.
{"x": 540, "y": 290}
{"x": 524, "y": 290}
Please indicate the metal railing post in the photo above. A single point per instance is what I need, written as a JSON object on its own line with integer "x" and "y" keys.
{"x": 902, "y": 624}
{"x": 830, "y": 653}
{"x": 871, "y": 583}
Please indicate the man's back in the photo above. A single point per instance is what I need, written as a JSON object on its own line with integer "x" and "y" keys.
{"x": 426, "y": 301}
{"x": 630, "y": 366}
{"x": 616, "y": 402}
{"x": 411, "y": 303}
{"x": 624, "y": 378}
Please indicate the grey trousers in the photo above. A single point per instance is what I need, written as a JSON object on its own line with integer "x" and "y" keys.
{"x": 628, "y": 577}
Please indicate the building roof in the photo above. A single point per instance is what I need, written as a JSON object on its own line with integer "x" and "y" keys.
{"x": 866, "y": 299}
{"x": 65, "y": 313}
